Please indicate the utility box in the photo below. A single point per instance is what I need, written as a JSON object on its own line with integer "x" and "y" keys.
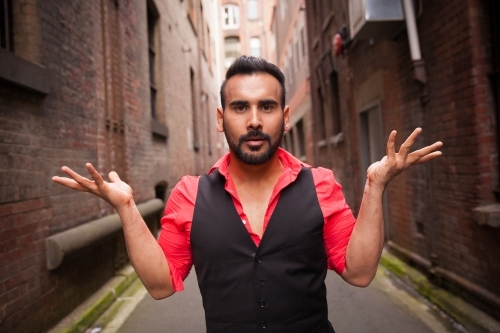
{"x": 375, "y": 18}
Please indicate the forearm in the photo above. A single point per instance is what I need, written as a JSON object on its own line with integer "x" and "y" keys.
{"x": 145, "y": 253}
{"x": 367, "y": 239}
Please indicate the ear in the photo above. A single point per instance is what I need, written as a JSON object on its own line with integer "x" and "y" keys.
{"x": 286, "y": 117}
{"x": 220, "y": 120}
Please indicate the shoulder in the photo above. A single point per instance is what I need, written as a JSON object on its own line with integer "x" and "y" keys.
{"x": 187, "y": 184}
{"x": 326, "y": 185}
{"x": 323, "y": 177}
{"x": 184, "y": 192}
{"x": 181, "y": 201}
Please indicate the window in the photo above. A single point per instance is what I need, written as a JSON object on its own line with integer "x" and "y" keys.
{"x": 303, "y": 41}
{"x": 335, "y": 102}
{"x": 300, "y": 139}
{"x": 253, "y": 9}
{"x": 230, "y": 17}
{"x": 326, "y": 6}
{"x": 283, "y": 8}
{"x": 320, "y": 128}
{"x": 6, "y": 38}
{"x": 291, "y": 136}
{"x": 495, "y": 73}
{"x": 208, "y": 47}
{"x": 255, "y": 47}
{"x": 296, "y": 55}
{"x": 290, "y": 62}
{"x": 152, "y": 50}
{"x": 196, "y": 139}
{"x": 202, "y": 30}
{"x": 192, "y": 13}
{"x": 231, "y": 50}
{"x": 371, "y": 138}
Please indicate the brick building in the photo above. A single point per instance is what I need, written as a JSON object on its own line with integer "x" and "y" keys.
{"x": 128, "y": 85}
{"x": 245, "y": 30}
{"x": 439, "y": 216}
{"x": 289, "y": 29}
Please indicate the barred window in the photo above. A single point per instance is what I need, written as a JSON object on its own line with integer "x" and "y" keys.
{"x": 230, "y": 17}
{"x": 253, "y": 9}
{"x": 6, "y": 38}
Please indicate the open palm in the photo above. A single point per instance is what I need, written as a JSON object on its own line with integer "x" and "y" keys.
{"x": 381, "y": 172}
{"x": 116, "y": 192}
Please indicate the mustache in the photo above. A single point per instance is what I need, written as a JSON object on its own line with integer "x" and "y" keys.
{"x": 254, "y": 134}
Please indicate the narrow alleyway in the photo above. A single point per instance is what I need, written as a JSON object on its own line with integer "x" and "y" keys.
{"x": 385, "y": 306}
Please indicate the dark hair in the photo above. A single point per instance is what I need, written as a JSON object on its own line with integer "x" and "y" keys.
{"x": 250, "y": 65}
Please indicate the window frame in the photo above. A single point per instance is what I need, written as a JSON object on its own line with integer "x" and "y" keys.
{"x": 255, "y": 7}
{"x": 255, "y": 38}
{"x": 237, "y": 52}
{"x": 233, "y": 16}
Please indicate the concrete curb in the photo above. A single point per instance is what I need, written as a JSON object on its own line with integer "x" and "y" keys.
{"x": 467, "y": 315}
{"x": 90, "y": 310}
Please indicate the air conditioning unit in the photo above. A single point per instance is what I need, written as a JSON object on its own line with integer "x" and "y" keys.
{"x": 375, "y": 18}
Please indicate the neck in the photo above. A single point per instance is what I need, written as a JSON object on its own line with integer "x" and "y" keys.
{"x": 247, "y": 173}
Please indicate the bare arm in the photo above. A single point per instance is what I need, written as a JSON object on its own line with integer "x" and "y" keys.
{"x": 367, "y": 239}
{"x": 144, "y": 251}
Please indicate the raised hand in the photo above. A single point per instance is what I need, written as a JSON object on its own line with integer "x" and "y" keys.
{"x": 116, "y": 192}
{"x": 381, "y": 172}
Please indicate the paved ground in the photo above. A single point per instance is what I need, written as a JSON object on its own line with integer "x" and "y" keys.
{"x": 385, "y": 306}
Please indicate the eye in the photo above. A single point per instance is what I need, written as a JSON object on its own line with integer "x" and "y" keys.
{"x": 267, "y": 107}
{"x": 240, "y": 108}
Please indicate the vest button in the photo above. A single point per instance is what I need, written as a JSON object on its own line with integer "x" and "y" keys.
{"x": 263, "y": 325}
{"x": 259, "y": 260}
{"x": 262, "y": 303}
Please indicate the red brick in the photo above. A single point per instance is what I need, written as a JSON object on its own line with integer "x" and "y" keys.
{"x": 456, "y": 45}
{"x": 68, "y": 127}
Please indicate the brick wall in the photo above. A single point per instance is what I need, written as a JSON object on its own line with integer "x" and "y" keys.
{"x": 98, "y": 111}
{"x": 429, "y": 206}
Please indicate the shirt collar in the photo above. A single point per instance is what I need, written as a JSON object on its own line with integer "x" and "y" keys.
{"x": 288, "y": 161}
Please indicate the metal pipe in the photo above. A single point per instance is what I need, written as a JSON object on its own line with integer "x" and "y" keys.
{"x": 71, "y": 241}
{"x": 416, "y": 56}
{"x": 411, "y": 27}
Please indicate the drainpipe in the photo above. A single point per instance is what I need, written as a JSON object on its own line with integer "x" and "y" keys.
{"x": 416, "y": 56}
{"x": 421, "y": 76}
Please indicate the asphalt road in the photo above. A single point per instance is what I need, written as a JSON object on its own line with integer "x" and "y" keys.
{"x": 385, "y": 306}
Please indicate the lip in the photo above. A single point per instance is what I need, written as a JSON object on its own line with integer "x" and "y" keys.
{"x": 255, "y": 141}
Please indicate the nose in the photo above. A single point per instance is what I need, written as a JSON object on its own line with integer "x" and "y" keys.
{"x": 254, "y": 122}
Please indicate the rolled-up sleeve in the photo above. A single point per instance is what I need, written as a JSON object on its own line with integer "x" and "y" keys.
{"x": 338, "y": 217}
{"x": 176, "y": 229}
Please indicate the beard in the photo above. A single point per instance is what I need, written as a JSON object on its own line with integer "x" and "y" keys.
{"x": 254, "y": 157}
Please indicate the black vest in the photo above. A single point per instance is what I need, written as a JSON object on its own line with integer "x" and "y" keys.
{"x": 276, "y": 287}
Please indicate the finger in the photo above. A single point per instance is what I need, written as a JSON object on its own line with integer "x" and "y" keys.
{"x": 68, "y": 182}
{"x": 405, "y": 148}
{"x": 95, "y": 175}
{"x": 76, "y": 176}
{"x": 428, "y": 157}
{"x": 113, "y": 176}
{"x": 418, "y": 154}
{"x": 391, "y": 146}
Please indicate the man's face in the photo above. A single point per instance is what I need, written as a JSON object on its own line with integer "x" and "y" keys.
{"x": 253, "y": 121}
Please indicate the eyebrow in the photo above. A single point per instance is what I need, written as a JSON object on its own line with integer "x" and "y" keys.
{"x": 238, "y": 103}
{"x": 268, "y": 101}
{"x": 261, "y": 102}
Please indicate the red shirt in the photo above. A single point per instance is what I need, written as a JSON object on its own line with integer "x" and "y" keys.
{"x": 176, "y": 223}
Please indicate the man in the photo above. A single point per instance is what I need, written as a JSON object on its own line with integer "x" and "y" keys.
{"x": 261, "y": 227}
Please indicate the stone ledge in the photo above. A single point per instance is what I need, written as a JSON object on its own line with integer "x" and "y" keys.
{"x": 23, "y": 73}
{"x": 60, "y": 246}
{"x": 487, "y": 215}
{"x": 467, "y": 315}
{"x": 85, "y": 314}
{"x": 159, "y": 129}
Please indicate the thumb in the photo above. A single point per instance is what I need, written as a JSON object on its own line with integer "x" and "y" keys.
{"x": 113, "y": 176}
